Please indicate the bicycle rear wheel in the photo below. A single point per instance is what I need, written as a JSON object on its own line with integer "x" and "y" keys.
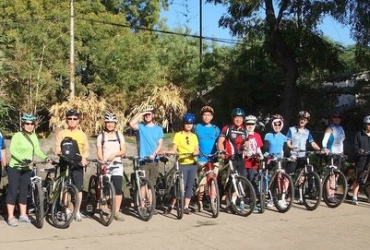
{"x": 262, "y": 194}
{"x": 64, "y": 206}
{"x": 242, "y": 196}
{"x": 367, "y": 190}
{"x": 334, "y": 189}
{"x": 107, "y": 203}
{"x": 38, "y": 200}
{"x": 92, "y": 192}
{"x": 282, "y": 191}
{"x": 145, "y": 206}
{"x": 179, "y": 194}
{"x": 214, "y": 196}
{"x": 47, "y": 187}
{"x": 311, "y": 191}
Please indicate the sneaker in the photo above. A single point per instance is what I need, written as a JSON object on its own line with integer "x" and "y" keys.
{"x": 24, "y": 218}
{"x": 354, "y": 201}
{"x": 119, "y": 216}
{"x": 256, "y": 210}
{"x": 200, "y": 206}
{"x": 332, "y": 200}
{"x": 300, "y": 202}
{"x": 13, "y": 222}
{"x": 168, "y": 210}
{"x": 78, "y": 216}
{"x": 270, "y": 204}
{"x": 282, "y": 204}
{"x": 187, "y": 210}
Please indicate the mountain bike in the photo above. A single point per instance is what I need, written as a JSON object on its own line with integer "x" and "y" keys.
{"x": 364, "y": 183}
{"x": 307, "y": 183}
{"x": 171, "y": 185}
{"x": 334, "y": 183}
{"x": 60, "y": 195}
{"x": 263, "y": 180}
{"x": 239, "y": 191}
{"x": 101, "y": 195}
{"x": 141, "y": 189}
{"x": 211, "y": 195}
{"x": 281, "y": 189}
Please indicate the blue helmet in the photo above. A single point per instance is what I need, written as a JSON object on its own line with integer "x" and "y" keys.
{"x": 188, "y": 118}
{"x": 28, "y": 118}
{"x": 238, "y": 112}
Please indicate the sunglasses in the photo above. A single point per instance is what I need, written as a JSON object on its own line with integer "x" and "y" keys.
{"x": 250, "y": 124}
{"x": 187, "y": 140}
{"x": 337, "y": 116}
{"x": 72, "y": 119}
{"x": 277, "y": 124}
{"x": 29, "y": 123}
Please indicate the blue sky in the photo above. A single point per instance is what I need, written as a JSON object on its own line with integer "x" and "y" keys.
{"x": 182, "y": 16}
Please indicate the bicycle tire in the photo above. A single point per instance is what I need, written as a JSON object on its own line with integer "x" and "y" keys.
{"x": 145, "y": 213}
{"x": 245, "y": 203}
{"x": 107, "y": 210}
{"x": 38, "y": 200}
{"x": 367, "y": 191}
{"x": 341, "y": 189}
{"x": 277, "y": 192}
{"x": 179, "y": 194}
{"x": 59, "y": 214}
{"x": 47, "y": 187}
{"x": 311, "y": 191}
{"x": 262, "y": 194}
{"x": 92, "y": 192}
{"x": 213, "y": 196}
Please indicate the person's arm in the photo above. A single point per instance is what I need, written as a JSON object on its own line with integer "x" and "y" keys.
{"x": 134, "y": 123}
{"x": 85, "y": 150}
{"x": 99, "y": 148}
{"x": 58, "y": 140}
{"x": 14, "y": 153}
{"x": 325, "y": 140}
{"x": 315, "y": 146}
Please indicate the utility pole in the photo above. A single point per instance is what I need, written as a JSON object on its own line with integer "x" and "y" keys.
{"x": 71, "y": 53}
{"x": 200, "y": 32}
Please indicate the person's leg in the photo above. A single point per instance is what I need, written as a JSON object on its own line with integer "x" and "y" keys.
{"x": 24, "y": 187}
{"x": 77, "y": 179}
{"x": 191, "y": 174}
{"x": 117, "y": 183}
{"x": 13, "y": 187}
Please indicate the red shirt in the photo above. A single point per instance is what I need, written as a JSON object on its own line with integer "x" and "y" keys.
{"x": 255, "y": 142}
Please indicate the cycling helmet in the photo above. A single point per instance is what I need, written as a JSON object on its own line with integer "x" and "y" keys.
{"x": 304, "y": 114}
{"x": 28, "y": 118}
{"x": 148, "y": 108}
{"x": 109, "y": 117}
{"x": 188, "y": 118}
{"x": 207, "y": 109}
{"x": 367, "y": 119}
{"x": 237, "y": 112}
{"x": 72, "y": 112}
{"x": 250, "y": 119}
{"x": 276, "y": 119}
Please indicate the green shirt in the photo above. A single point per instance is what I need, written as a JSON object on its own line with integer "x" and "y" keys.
{"x": 21, "y": 148}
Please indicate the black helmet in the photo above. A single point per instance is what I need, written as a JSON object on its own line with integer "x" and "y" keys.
{"x": 73, "y": 112}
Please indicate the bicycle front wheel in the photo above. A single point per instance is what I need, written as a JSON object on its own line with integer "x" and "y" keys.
{"x": 107, "y": 203}
{"x": 311, "y": 191}
{"x": 92, "y": 192}
{"x": 145, "y": 199}
{"x": 179, "y": 194}
{"x": 38, "y": 200}
{"x": 282, "y": 191}
{"x": 213, "y": 196}
{"x": 64, "y": 206}
{"x": 334, "y": 188}
{"x": 47, "y": 190}
{"x": 242, "y": 196}
{"x": 262, "y": 194}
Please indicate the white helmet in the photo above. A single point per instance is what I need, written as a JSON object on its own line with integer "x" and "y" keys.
{"x": 109, "y": 117}
{"x": 250, "y": 119}
{"x": 367, "y": 119}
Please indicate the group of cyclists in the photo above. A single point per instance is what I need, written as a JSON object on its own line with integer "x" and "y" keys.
{"x": 193, "y": 143}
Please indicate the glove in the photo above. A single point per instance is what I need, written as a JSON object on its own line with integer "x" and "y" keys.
{"x": 360, "y": 151}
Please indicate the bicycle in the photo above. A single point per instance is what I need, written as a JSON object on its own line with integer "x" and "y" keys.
{"x": 60, "y": 195}
{"x": 101, "y": 195}
{"x": 307, "y": 183}
{"x": 280, "y": 188}
{"x": 364, "y": 183}
{"x": 211, "y": 193}
{"x": 240, "y": 193}
{"x": 141, "y": 189}
{"x": 262, "y": 181}
{"x": 334, "y": 183}
{"x": 171, "y": 184}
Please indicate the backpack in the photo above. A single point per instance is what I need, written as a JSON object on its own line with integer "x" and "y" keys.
{"x": 70, "y": 151}
{"x": 103, "y": 138}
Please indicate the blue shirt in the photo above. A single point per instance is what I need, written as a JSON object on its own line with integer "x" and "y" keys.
{"x": 148, "y": 139}
{"x": 276, "y": 143}
{"x": 207, "y": 137}
{"x": 2, "y": 145}
{"x": 299, "y": 139}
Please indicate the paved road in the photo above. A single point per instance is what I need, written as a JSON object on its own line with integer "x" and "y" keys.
{"x": 346, "y": 227}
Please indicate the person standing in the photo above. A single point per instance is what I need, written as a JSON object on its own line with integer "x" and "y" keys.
{"x": 362, "y": 149}
{"x": 150, "y": 140}
{"x": 24, "y": 145}
{"x": 207, "y": 134}
{"x": 111, "y": 147}
{"x": 73, "y": 131}
{"x": 3, "y": 156}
